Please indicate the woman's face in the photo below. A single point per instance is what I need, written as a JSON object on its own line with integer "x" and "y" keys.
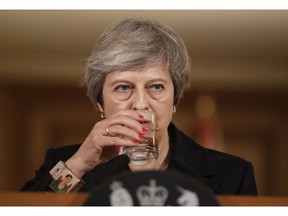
{"x": 149, "y": 89}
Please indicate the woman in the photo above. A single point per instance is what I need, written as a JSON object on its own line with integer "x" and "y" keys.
{"x": 140, "y": 65}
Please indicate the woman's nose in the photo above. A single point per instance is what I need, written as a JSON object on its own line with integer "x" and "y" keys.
{"x": 140, "y": 101}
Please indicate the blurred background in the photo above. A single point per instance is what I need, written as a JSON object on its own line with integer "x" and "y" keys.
{"x": 237, "y": 103}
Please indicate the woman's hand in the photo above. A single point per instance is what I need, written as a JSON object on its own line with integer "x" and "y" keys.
{"x": 106, "y": 139}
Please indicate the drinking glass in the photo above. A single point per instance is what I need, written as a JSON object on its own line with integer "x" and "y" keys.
{"x": 146, "y": 150}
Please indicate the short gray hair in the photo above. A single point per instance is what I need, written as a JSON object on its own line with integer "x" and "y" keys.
{"x": 132, "y": 44}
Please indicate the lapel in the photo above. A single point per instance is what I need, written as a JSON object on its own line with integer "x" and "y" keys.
{"x": 189, "y": 157}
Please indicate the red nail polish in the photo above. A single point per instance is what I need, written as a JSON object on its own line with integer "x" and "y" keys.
{"x": 140, "y": 116}
{"x": 135, "y": 141}
{"x": 141, "y": 137}
{"x": 144, "y": 130}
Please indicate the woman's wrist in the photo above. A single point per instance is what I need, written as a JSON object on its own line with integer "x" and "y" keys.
{"x": 73, "y": 165}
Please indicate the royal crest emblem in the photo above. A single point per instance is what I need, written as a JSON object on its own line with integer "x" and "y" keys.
{"x": 152, "y": 195}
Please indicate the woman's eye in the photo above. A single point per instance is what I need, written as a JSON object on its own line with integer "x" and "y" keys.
{"x": 157, "y": 87}
{"x": 122, "y": 88}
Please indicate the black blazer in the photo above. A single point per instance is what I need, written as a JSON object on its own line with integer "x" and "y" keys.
{"x": 222, "y": 172}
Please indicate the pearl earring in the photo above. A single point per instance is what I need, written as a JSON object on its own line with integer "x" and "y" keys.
{"x": 102, "y": 114}
{"x": 174, "y": 109}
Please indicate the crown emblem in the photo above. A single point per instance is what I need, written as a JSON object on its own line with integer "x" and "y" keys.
{"x": 152, "y": 195}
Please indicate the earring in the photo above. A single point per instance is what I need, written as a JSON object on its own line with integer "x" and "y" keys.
{"x": 174, "y": 109}
{"x": 101, "y": 110}
{"x": 102, "y": 114}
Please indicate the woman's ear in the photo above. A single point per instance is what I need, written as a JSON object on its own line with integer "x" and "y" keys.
{"x": 100, "y": 108}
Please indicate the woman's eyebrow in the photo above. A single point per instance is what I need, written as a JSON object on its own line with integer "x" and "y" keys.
{"x": 119, "y": 81}
{"x": 160, "y": 79}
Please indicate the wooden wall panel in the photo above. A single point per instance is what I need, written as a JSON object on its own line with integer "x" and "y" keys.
{"x": 35, "y": 118}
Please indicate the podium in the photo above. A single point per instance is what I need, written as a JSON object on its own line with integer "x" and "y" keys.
{"x": 77, "y": 199}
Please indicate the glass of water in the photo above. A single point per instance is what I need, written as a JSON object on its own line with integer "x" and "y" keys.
{"x": 146, "y": 150}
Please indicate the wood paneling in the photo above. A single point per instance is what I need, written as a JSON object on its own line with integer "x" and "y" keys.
{"x": 35, "y": 118}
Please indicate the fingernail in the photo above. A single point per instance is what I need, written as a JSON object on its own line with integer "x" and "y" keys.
{"x": 140, "y": 116}
{"x": 141, "y": 137}
{"x": 135, "y": 141}
{"x": 144, "y": 130}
